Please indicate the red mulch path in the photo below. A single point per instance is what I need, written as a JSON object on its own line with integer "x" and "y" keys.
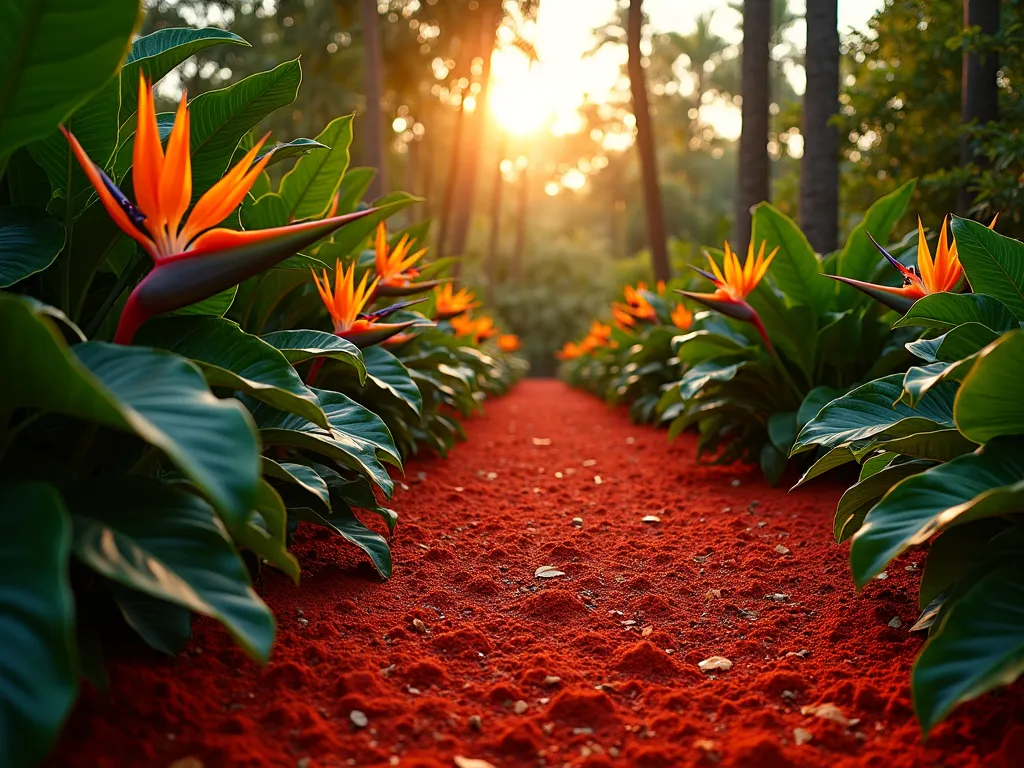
{"x": 640, "y": 605}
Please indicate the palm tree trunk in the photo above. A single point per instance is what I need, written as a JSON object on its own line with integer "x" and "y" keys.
{"x": 752, "y": 185}
{"x": 373, "y": 127}
{"x": 819, "y": 168}
{"x": 655, "y": 216}
{"x": 980, "y": 94}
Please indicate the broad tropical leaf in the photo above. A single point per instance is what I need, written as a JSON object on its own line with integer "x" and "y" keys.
{"x": 168, "y": 543}
{"x": 976, "y": 485}
{"x": 50, "y": 67}
{"x": 38, "y": 675}
{"x": 29, "y": 242}
{"x": 994, "y": 263}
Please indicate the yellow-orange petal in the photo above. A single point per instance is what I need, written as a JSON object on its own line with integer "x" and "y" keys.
{"x": 176, "y": 180}
{"x": 223, "y": 197}
{"x": 147, "y": 160}
{"x": 924, "y": 256}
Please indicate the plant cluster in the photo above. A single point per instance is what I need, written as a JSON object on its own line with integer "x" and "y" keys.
{"x": 791, "y": 365}
{"x": 780, "y": 344}
{"x": 179, "y": 391}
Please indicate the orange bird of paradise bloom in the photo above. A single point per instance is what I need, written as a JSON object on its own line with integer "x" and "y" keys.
{"x": 193, "y": 258}
{"x": 346, "y": 302}
{"x": 396, "y": 266}
{"x": 508, "y": 342}
{"x": 449, "y": 303}
{"x": 570, "y": 351}
{"x": 682, "y": 317}
{"x": 733, "y": 283}
{"x": 938, "y": 275}
{"x": 480, "y": 328}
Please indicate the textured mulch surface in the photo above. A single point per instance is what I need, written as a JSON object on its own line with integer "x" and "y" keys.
{"x": 466, "y": 653}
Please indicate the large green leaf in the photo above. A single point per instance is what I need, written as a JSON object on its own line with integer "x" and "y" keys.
{"x": 29, "y": 242}
{"x": 868, "y": 411}
{"x": 266, "y": 532}
{"x": 795, "y": 270}
{"x": 386, "y": 372}
{"x": 994, "y": 264}
{"x": 353, "y": 187}
{"x": 165, "y": 401}
{"x": 988, "y": 403}
{"x": 859, "y": 256}
{"x": 308, "y": 189}
{"x": 158, "y": 53}
{"x": 945, "y": 311}
{"x": 220, "y": 118}
{"x": 955, "y": 344}
{"x": 57, "y": 53}
{"x": 157, "y": 395}
{"x": 38, "y": 675}
{"x": 94, "y": 124}
{"x": 168, "y": 543}
{"x": 346, "y": 240}
{"x": 164, "y": 626}
{"x": 229, "y": 357}
{"x": 301, "y": 345}
{"x": 986, "y": 483}
{"x": 300, "y": 476}
{"x": 979, "y": 644}
{"x": 216, "y": 305}
{"x": 357, "y": 439}
{"x": 861, "y": 497}
{"x": 950, "y": 554}
{"x": 343, "y": 521}
{"x": 938, "y": 445}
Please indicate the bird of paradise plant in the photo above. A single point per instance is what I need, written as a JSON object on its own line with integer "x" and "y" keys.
{"x": 346, "y": 303}
{"x": 940, "y": 274}
{"x": 733, "y": 283}
{"x": 449, "y": 303}
{"x": 193, "y": 258}
{"x": 396, "y": 269}
{"x": 636, "y": 308}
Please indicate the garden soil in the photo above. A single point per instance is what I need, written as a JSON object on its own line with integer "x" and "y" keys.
{"x": 466, "y": 654}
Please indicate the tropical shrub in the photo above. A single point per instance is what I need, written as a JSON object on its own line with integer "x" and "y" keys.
{"x": 176, "y": 397}
{"x": 942, "y": 462}
{"x": 782, "y": 343}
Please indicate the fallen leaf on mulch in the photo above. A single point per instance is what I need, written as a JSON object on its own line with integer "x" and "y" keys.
{"x": 650, "y": 519}
{"x": 781, "y": 549}
{"x": 548, "y": 572}
{"x": 715, "y": 663}
{"x": 471, "y": 762}
{"x": 802, "y": 736}
{"x": 829, "y": 711}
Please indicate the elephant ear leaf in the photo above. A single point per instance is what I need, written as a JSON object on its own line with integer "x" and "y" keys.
{"x": 38, "y": 675}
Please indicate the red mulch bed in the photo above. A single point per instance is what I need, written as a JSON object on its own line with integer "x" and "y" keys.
{"x": 641, "y": 603}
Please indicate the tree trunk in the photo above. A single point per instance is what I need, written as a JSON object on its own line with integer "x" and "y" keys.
{"x": 655, "y": 216}
{"x": 752, "y": 185}
{"x": 521, "y": 212}
{"x": 451, "y": 183}
{"x": 476, "y": 121}
{"x": 373, "y": 127}
{"x": 495, "y": 216}
{"x": 980, "y": 94}
{"x": 819, "y": 168}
